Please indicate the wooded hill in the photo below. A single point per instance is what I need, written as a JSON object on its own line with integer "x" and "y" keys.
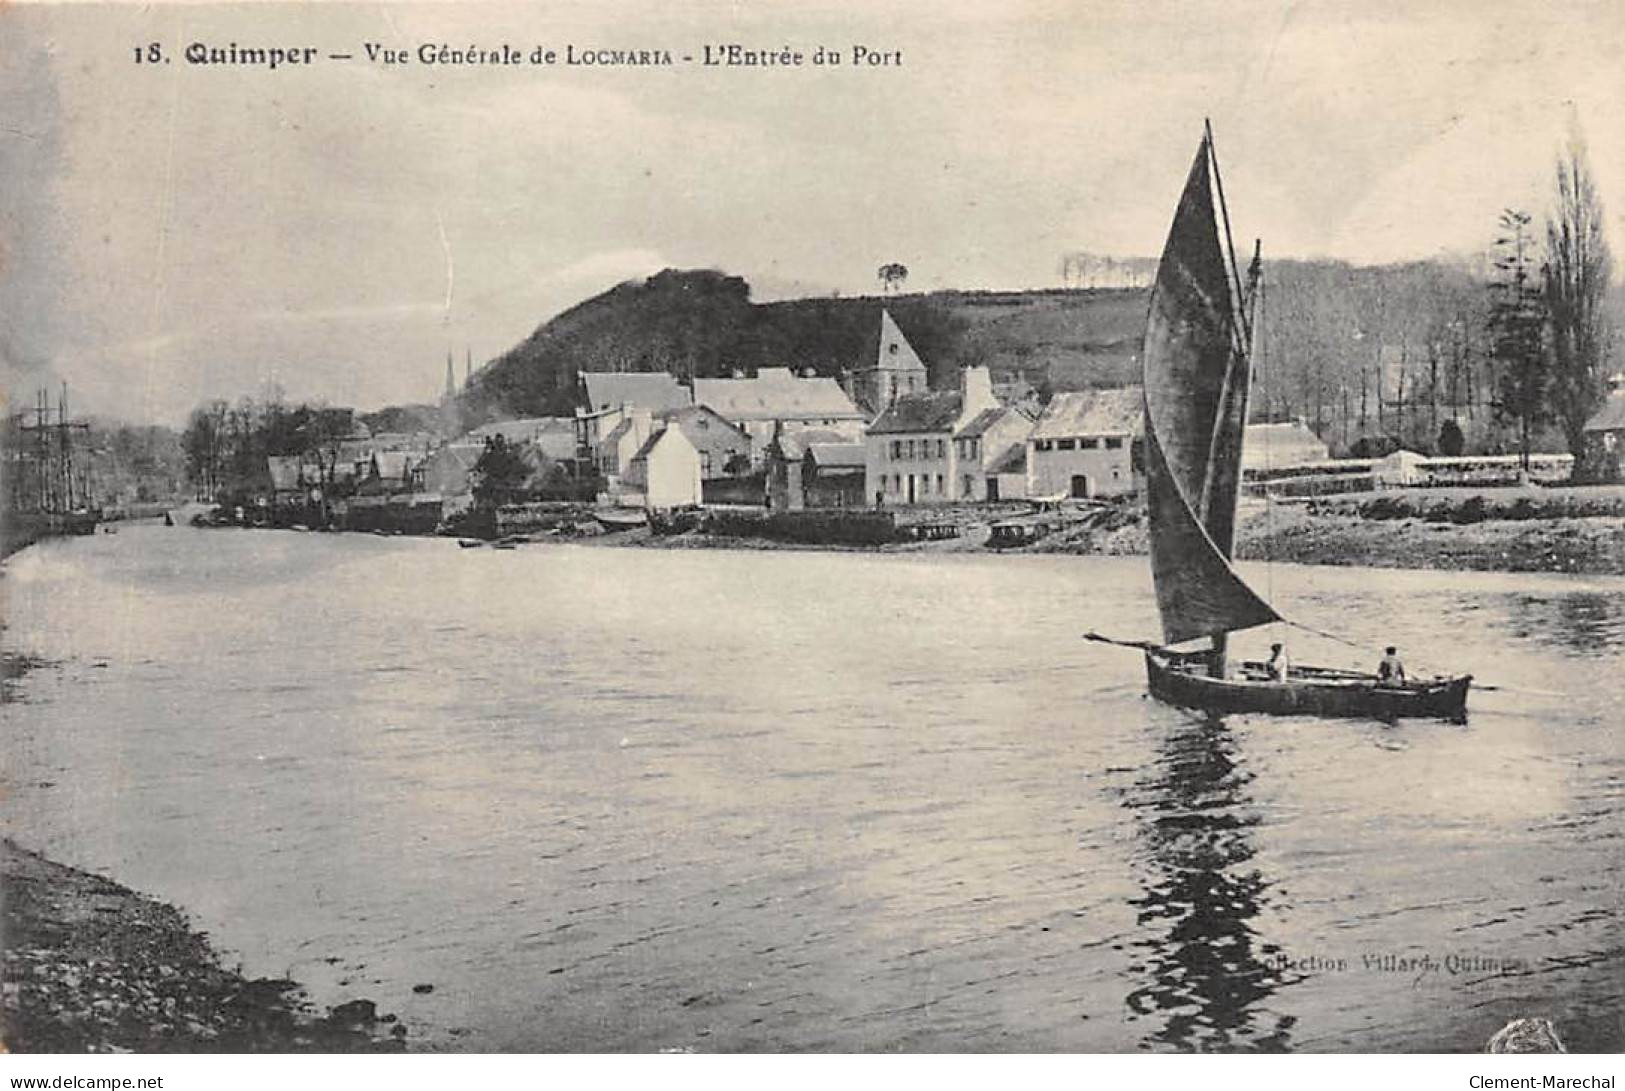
{"x": 1381, "y": 351}
{"x": 702, "y": 324}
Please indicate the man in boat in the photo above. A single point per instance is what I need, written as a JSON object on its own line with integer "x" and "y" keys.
{"x": 1277, "y": 665}
{"x": 1391, "y": 672}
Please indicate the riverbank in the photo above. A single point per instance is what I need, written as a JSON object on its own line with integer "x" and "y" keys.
{"x": 90, "y": 966}
{"x": 1290, "y": 533}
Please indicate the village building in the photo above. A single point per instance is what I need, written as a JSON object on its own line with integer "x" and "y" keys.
{"x": 910, "y": 453}
{"x": 664, "y": 472}
{"x": 1007, "y": 477}
{"x": 897, "y": 370}
{"x": 613, "y": 455}
{"x": 724, "y": 448}
{"x": 1281, "y": 445}
{"x": 1605, "y": 435}
{"x": 656, "y": 391}
{"x": 1399, "y": 468}
{"x": 611, "y": 399}
{"x": 448, "y": 472}
{"x": 775, "y": 399}
{"x": 833, "y": 475}
{"x": 1086, "y": 443}
{"x": 785, "y": 467}
{"x": 984, "y": 442}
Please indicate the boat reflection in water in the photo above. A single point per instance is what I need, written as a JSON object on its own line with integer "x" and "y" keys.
{"x": 1208, "y": 977}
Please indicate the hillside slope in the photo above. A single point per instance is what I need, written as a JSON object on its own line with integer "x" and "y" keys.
{"x": 702, "y": 324}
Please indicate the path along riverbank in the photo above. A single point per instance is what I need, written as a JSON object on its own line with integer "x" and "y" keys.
{"x": 92, "y": 966}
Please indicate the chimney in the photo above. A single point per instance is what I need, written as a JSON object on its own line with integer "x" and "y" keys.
{"x": 976, "y": 390}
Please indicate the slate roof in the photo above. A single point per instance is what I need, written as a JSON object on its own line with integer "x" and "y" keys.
{"x": 775, "y": 394}
{"x": 832, "y": 455}
{"x": 796, "y": 445}
{"x": 653, "y": 390}
{"x": 1013, "y": 461}
{"x": 655, "y": 440}
{"x": 1116, "y": 412}
{"x": 980, "y": 423}
{"x": 932, "y": 411}
{"x": 895, "y": 354}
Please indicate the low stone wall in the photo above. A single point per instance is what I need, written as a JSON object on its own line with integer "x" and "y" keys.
{"x": 826, "y": 527}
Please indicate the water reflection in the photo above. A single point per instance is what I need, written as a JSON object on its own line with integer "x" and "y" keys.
{"x": 1208, "y": 978}
{"x": 1588, "y": 622}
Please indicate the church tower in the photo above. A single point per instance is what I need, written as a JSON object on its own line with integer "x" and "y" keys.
{"x": 450, "y": 417}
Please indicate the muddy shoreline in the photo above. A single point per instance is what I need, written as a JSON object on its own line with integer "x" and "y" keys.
{"x": 90, "y": 966}
{"x": 1593, "y": 546}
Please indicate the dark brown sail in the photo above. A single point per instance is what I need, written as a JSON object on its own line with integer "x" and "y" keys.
{"x": 1196, "y": 382}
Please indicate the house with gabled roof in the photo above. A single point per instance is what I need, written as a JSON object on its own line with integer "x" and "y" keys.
{"x": 1087, "y": 443}
{"x": 776, "y": 400}
{"x": 910, "y": 452}
{"x": 981, "y": 444}
{"x": 665, "y": 471}
{"x": 721, "y": 444}
{"x": 1605, "y": 435}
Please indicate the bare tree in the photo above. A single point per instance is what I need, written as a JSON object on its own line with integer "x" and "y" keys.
{"x": 1577, "y": 271}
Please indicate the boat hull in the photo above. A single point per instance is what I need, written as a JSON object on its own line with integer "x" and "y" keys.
{"x": 1175, "y": 679}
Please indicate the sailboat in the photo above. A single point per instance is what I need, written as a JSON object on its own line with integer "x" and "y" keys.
{"x": 1197, "y": 361}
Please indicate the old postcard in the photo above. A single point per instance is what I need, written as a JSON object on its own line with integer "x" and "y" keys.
{"x": 833, "y": 527}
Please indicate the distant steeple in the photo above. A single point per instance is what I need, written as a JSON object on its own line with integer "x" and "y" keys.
{"x": 450, "y": 417}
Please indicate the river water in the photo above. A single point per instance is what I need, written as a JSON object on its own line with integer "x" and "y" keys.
{"x": 607, "y": 799}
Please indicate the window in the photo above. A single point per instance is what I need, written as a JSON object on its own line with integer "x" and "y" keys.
{"x": 705, "y": 463}
{"x": 1065, "y": 444}
{"x": 1041, "y": 445}
{"x": 1089, "y": 444}
{"x": 939, "y": 484}
{"x": 967, "y": 487}
{"x": 896, "y": 449}
{"x": 942, "y": 452}
{"x": 911, "y": 449}
{"x": 1114, "y": 443}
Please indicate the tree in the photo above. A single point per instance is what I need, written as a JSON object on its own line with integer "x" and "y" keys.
{"x": 1451, "y": 441}
{"x": 1517, "y": 327}
{"x": 1577, "y": 272}
{"x": 500, "y": 473}
{"x": 892, "y": 275}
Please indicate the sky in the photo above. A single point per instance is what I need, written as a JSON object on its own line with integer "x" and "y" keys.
{"x": 173, "y": 232}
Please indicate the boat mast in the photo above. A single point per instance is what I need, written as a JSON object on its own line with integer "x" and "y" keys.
{"x": 1240, "y": 346}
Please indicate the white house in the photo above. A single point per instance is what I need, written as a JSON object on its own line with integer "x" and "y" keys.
{"x": 1085, "y": 444}
{"x": 666, "y": 471}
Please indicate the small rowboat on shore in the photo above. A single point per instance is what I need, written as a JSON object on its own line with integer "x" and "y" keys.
{"x": 620, "y": 518}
